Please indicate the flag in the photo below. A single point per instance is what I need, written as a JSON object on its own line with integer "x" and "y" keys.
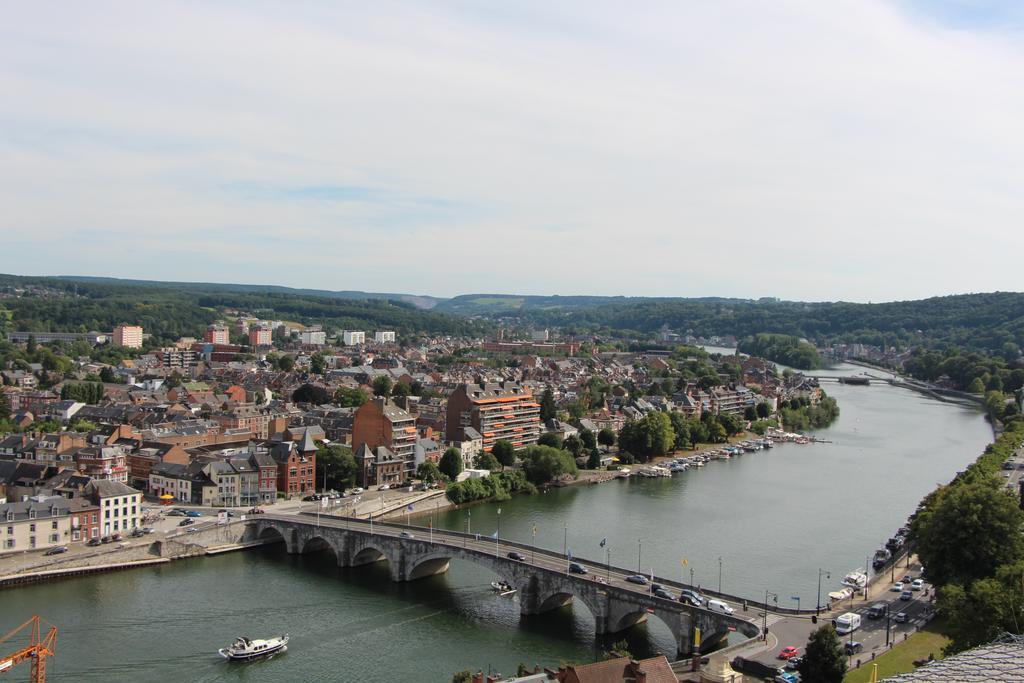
{"x": 683, "y": 562}
{"x": 499, "y": 511}
{"x": 569, "y": 554}
{"x": 534, "y": 529}
{"x": 603, "y": 542}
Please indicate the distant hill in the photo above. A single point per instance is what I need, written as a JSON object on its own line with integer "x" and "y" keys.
{"x": 419, "y": 301}
{"x": 502, "y": 304}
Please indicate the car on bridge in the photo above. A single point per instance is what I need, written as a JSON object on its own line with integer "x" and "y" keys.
{"x": 186, "y": 521}
{"x": 518, "y": 557}
{"x": 788, "y": 652}
{"x": 637, "y": 578}
{"x": 664, "y": 594}
{"x": 692, "y": 597}
{"x": 577, "y": 568}
{"x": 406, "y": 534}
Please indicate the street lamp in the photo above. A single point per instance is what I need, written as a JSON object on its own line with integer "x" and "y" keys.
{"x": 887, "y": 622}
{"x": 719, "y": 575}
{"x": 565, "y": 539}
{"x": 691, "y": 577}
{"x": 608, "y": 563}
{"x": 817, "y": 603}
{"x": 775, "y": 599}
{"x": 639, "y": 548}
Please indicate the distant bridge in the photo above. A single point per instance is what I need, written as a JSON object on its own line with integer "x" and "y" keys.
{"x": 542, "y": 580}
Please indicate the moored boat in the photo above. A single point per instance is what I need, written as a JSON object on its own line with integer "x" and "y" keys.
{"x": 246, "y": 648}
{"x": 503, "y": 588}
{"x": 858, "y": 578}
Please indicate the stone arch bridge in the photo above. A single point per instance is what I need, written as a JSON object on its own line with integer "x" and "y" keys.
{"x": 541, "y": 580}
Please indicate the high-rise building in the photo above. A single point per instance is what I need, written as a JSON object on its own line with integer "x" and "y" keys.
{"x": 505, "y": 411}
{"x": 383, "y": 336}
{"x": 352, "y": 337}
{"x": 260, "y": 335}
{"x": 313, "y": 336}
{"x": 381, "y": 422}
{"x": 217, "y": 334}
{"x": 127, "y": 336}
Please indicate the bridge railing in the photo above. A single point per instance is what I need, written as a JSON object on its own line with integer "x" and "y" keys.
{"x": 751, "y": 603}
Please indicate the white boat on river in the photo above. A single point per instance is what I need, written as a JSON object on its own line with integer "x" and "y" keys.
{"x": 245, "y": 648}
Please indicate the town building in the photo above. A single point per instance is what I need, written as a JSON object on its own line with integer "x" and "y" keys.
{"x": 313, "y": 336}
{"x": 106, "y": 463}
{"x": 384, "y": 337}
{"x": 353, "y": 338}
{"x": 505, "y": 411}
{"x": 127, "y": 337}
{"x": 30, "y": 525}
{"x": 381, "y": 422}
{"x": 296, "y": 466}
{"x": 217, "y": 334}
{"x": 120, "y": 505}
{"x": 377, "y": 466}
{"x": 261, "y": 335}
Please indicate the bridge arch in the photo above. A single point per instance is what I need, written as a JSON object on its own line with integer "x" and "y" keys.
{"x": 316, "y": 544}
{"x": 271, "y": 533}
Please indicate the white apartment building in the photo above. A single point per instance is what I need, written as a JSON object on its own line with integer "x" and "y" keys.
{"x": 120, "y": 505}
{"x": 314, "y": 336}
{"x": 383, "y": 336}
{"x": 352, "y": 337}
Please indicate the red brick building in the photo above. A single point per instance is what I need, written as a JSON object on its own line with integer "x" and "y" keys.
{"x": 381, "y": 422}
{"x": 85, "y": 519}
{"x": 296, "y": 466}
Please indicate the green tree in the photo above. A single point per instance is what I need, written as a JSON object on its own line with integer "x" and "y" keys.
{"x": 505, "y": 452}
{"x": 651, "y": 435}
{"x": 594, "y": 461}
{"x": 606, "y": 437}
{"x": 451, "y": 463}
{"x": 544, "y": 463}
{"x": 487, "y": 461}
{"x": 464, "y": 676}
{"x": 317, "y": 363}
{"x": 549, "y": 439}
{"x": 428, "y": 471}
{"x": 311, "y": 393}
{"x": 977, "y": 614}
{"x": 573, "y": 444}
{"x": 588, "y": 439}
{"x": 401, "y": 390}
{"x": 30, "y": 347}
{"x": 682, "y": 432}
{"x": 173, "y": 380}
{"x": 965, "y": 531}
{"x": 823, "y": 661}
{"x": 547, "y": 406}
{"x": 382, "y": 386}
{"x": 763, "y": 410}
{"x": 286, "y": 363}
{"x": 976, "y": 386}
{"x": 5, "y": 407}
{"x": 339, "y": 463}
{"x": 350, "y": 398}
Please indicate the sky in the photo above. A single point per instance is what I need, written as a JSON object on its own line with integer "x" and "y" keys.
{"x": 859, "y": 150}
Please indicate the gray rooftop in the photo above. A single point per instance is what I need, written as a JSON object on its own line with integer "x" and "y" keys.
{"x": 1002, "y": 660}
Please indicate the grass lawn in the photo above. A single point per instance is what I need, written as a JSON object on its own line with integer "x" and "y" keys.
{"x": 900, "y": 659}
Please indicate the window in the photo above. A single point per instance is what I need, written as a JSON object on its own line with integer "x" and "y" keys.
{"x": 116, "y": 511}
{"x": 106, "y": 514}
{"x": 31, "y": 541}
{"x": 53, "y": 538}
{"x": 94, "y": 518}
{"x": 53, "y": 524}
{"x": 9, "y": 543}
{"x": 32, "y": 527}
{"x": 115, "y": 525}
{"x": 10, "y": 531}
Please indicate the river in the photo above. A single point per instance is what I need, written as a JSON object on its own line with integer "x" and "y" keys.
{"x": 773, "y": 517}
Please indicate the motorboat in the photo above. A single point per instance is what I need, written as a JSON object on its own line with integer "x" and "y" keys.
{"x": 858, "y": 578}
{"x": 247, "y": 648}
{"x": 503, "y": 588}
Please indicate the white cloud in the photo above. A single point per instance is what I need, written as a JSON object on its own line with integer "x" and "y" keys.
{"x": 842, "y": 150}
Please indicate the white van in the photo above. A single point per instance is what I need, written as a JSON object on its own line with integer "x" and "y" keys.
{"x": 847, "y": 623}
{"x": 720, "y": 607}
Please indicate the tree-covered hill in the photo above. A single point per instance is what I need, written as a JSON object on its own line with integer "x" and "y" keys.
{"x": 168, "y": 312}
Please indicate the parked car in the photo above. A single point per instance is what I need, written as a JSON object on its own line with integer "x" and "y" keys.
{"x": 136, "y": 533}
{"x": 256, "y": 511}
{"x": 115, "y": 537}
{"x": 787, "y": 652}
{"x": 406, "y": 534}
{"x": 176, "y": 513}
{"x": 186, "y": 522}
{"x": 105, "y": 539}
{"x": 357, "y": 490}
{"x": 637, "y": 578}
{"x": 917, "y": 585}
{"x": 901, "y": 618}
{"x": 852, "y": 647}
{"x": 906, "y": 595}
{"x": 787, "y": 677}
{"x": 93, "y": 542}
{"x": 794, "y": 663}
{"x": 229, "y": 513}
{"x": 384, "y": 487}
{"x": 656, "y": 586}
{"x": 56, "y": 550}
{"x": 897, "y": 587}
{"x": 193, "y": 513}
{"x": 313, "y": 497}
{"x": 518, "y": 557}
{"x": 147, "y": 529}
{"x": 577, "y": 568}
{"x": 192, "y": 530}
{"x": 663, "y": 593}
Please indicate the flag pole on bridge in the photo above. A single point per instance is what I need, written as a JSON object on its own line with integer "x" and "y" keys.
{"x": 533, "y": 548}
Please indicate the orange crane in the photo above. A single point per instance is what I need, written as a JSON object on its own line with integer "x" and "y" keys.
{"x": 37, "y": 650}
